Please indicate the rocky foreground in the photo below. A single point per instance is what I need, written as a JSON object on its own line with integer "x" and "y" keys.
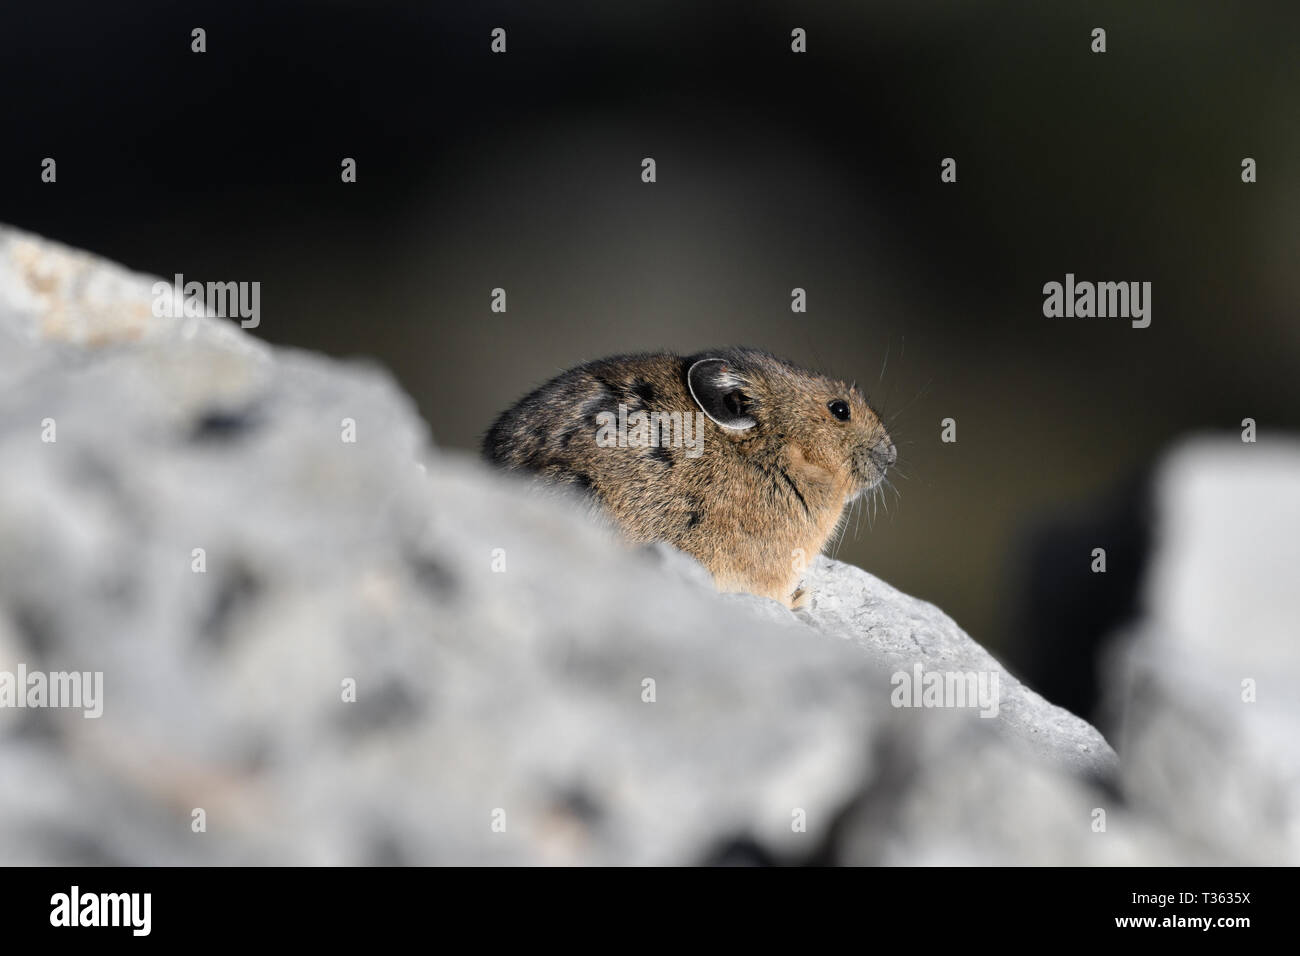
{"x": 318, "y": 650}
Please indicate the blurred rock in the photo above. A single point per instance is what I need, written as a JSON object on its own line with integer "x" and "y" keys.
{"x": 1203, "y": 689}
{"x": 513, "y": 663}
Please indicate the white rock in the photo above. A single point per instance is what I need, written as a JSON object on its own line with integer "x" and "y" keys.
{"x": 1222, "y": 626}
{"x": 477, "y": 690}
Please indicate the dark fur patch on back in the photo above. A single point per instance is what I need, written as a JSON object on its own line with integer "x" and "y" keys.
{"x": 582, "y": 481}
{"x": 644, "y": 391}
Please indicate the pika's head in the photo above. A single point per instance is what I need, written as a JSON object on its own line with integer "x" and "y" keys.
{"x": 821, "y": 431}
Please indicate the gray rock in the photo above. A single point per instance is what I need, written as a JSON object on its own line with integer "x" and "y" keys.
{"x": 902, "y": 631}
{"x": 1203, "y": 688}
{"x": 500, "y": 643}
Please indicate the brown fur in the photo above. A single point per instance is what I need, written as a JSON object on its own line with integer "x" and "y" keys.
{"x": 754, "y": 502}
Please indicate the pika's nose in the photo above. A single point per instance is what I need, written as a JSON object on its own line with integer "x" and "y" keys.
{"x": 884, "y": 454}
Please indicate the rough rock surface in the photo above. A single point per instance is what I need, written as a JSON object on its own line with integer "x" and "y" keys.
{"x": 499, "y": 643}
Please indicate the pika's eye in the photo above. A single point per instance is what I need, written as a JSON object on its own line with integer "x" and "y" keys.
{"x": 839, "y": 408}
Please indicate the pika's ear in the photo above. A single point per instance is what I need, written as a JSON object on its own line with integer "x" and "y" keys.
{"x": 720, "y": 393}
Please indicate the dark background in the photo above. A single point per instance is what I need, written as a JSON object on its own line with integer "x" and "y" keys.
{"x": 775, "y": 170}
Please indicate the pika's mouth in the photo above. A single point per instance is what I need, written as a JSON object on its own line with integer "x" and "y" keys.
{"x": 872, "y": 463}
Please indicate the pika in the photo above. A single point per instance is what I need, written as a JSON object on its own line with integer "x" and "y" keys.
{"x": 735, "y": 456}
